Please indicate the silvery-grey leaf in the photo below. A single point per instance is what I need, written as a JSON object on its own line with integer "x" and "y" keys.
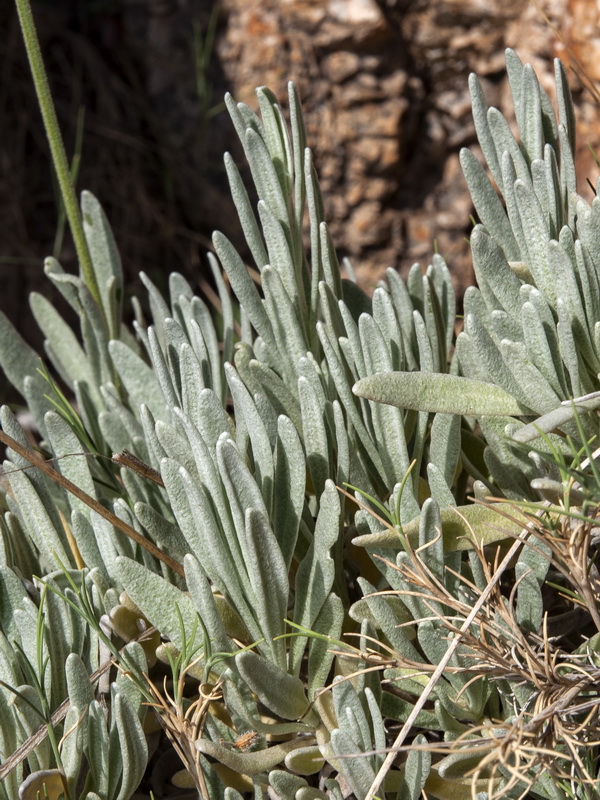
{"x": 244, "y": 289}
{"x": 314, "y": 579}
{"x": 288, "y": 488}
{"x": 158, "y": 599}
{"x": 106, "y": 260}
{"x": 280, "y": 692}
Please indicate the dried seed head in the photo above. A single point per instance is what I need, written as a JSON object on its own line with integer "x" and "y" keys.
{"x": 245, "y": 741}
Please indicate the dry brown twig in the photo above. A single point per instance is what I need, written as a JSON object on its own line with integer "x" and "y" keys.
{"x": 184, "y": 726}
{"x": 37, "y": 461}
{"x": 439, "y": 670}
{"x": 550, "y": 732}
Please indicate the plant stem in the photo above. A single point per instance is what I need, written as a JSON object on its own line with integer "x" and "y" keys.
{"x": 57, "y": 148}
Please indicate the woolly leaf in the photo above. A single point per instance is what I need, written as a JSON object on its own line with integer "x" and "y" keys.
{"x": 158, "y": 600}
{"x": 105, "y": 259}
{"x": 441, "y": 393}
{"x": 416, "y": 770}
{"x": 131, "y": 744}
{"x": 280, "y": 692}
{"x": 458, "y": 526}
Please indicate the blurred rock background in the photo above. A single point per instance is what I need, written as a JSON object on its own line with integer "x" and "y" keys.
{"x": 139, "y": 85}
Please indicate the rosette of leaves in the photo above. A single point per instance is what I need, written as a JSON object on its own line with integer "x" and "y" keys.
{"x": 76, "y": 749}
{"x": 530, "y": 336}
{"x": 248, "y": 501}
{"x": 250, "y": 421}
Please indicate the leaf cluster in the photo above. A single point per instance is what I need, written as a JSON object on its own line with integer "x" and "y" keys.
{"x": 295, "y": 640}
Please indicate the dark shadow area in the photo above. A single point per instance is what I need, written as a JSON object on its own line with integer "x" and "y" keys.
{"x": 138, "y": 91}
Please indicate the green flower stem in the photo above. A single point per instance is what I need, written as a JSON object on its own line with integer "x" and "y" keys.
{"x": 57, "y": 148}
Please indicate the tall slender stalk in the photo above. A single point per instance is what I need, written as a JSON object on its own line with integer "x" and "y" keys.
{"x": 57, "y": 148}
